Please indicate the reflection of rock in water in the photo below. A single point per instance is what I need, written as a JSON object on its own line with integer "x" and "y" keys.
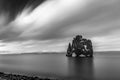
{"x": 81, "y": 68}
{"x": 80, "y": 46}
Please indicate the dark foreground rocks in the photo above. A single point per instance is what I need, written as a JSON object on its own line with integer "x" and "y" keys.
{"x": 80, "y": 46}
{"x": 5, "y": 76}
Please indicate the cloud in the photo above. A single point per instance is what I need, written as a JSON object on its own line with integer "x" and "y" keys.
{"x": 33, "y": 46}
{"x": 108, "y": 42}
{"x": 46, "y": 16}
{"x": 57, "y": 21}
{"x": 14, "y": 7}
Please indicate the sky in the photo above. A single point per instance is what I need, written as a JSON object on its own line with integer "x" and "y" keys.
{"x": 49, "y": 25}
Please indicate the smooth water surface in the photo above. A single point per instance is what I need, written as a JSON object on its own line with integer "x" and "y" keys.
{"x": 102, "y": 66}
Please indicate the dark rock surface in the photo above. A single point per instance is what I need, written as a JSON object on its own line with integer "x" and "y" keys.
{"x": 5, "y": 76}
{"x": 80, "y": 46}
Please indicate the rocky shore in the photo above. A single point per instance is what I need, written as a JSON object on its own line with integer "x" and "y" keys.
{"x": 7, "y": 76}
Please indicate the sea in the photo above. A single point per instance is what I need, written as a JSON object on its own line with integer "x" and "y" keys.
{"x": 103, "y": 66}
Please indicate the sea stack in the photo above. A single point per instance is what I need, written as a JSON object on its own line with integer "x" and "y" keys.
{"x": 80, "y": 47}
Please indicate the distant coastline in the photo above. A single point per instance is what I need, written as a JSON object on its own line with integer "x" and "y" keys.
{"x": 37, "y": 53}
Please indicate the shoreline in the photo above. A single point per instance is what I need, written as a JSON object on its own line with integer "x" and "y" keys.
{"x": 9, "y": 76}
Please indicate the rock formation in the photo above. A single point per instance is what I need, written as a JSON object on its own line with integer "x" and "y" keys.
{"x": 80, "y": 46}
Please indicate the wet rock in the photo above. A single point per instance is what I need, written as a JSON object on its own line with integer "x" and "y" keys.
{"x": 80, "y": 46}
